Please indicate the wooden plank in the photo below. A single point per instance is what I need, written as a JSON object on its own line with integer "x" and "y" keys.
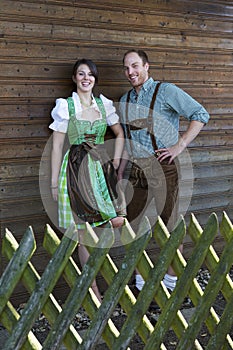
{"x": 16, "y": 130}
{"x": 45, "y": 54}
{"x": 211, "y": 154}
{"x": 134, "y": 250}
{"x": 208, "y": 80}
{"x": 51, "y": 309}
{"x": 152, "y": 284}
{"x": 41, "y": 91}
{"x": 35, "y": 89}
{"x": 210, "y": 201}
{"x": 19, "y": 189}
{"x": 188, "y": 42}
{"x": 215, "y": 123}
{"x": 22, "y": 149}
{"x": 208, "y": 185}
{"x": 20, "y": 168}
{"x": 19, "y": 225}
{"x": 114, "y": 15}
{"x": 211, "y": 291}
{"x": 83, "y": 283}
{"x": 183, "y": 284}
{"x": 13, "y": 273}
{"x": 213, "y": 170}
{"x": 24, "y": 109}
{"x": 17, "y": 207}
{"x": 121, "y": 35}
{"x": 40, "y": 295}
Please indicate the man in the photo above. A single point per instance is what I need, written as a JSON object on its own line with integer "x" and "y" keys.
{"x": 150, "y": 114}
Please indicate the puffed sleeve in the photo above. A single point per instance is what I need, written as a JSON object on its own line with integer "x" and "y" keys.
{"x": 60, "y": 115}
{"x": 111, "y": 115}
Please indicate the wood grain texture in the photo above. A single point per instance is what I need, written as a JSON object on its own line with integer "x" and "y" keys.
{"x": 188, "y": 42}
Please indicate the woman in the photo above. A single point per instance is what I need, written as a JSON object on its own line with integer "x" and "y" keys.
{"x": 84, "y": 180}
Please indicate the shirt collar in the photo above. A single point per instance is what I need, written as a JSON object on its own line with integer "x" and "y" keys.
{"x": 145, "y": 87}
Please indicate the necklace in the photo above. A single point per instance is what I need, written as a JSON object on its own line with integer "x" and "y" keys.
{"x": 85, "y": 104}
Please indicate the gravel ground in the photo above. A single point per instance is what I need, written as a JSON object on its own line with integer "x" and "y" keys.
{"x": 82, "y": 321}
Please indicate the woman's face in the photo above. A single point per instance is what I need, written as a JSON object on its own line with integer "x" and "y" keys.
{"x": 84, "y": 78}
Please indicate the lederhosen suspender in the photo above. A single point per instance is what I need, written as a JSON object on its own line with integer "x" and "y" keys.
{"x": 148, "y": 121}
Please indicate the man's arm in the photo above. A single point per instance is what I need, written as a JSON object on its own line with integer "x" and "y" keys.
{"x": 189, "y": 135}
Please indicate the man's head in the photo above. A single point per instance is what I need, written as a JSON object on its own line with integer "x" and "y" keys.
{"x": 136, "y": 67}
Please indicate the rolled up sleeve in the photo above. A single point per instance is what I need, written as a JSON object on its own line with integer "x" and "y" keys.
{"x": 185, "y": 105}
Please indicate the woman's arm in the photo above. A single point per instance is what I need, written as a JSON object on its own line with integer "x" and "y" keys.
{"x": 56, "y": 159}
{"x": 119, "y": 143}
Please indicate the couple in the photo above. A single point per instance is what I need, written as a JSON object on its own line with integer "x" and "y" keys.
{"x": 84, "y": 180}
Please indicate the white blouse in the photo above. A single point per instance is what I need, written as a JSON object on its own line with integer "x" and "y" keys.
{"x": 60, "y": 112}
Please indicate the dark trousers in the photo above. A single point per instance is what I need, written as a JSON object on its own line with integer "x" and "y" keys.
{"x": 150, "y": 180}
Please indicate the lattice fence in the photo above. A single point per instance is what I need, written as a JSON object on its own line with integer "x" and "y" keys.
{"x": 41, "y": 299}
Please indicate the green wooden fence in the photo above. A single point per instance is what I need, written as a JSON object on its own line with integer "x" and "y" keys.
{"x": 62, "y": 331}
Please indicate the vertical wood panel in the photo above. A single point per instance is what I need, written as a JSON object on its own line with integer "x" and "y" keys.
{"x": 188, "y": 43}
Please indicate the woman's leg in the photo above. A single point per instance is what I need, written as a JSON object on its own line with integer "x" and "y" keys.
{"x": 83, "y": 257}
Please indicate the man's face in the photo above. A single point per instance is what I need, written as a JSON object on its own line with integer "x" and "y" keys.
{"x": 135, "y": 71}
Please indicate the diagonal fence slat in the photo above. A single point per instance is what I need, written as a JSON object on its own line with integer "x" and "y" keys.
{"x": 223, "y": 328}
{"x": 10, "y": 278}
{"x": 212, "y": 258}
{"x": 71, "y": 274}
{"x": 226, "y": 227}
{"x": 195, "y": 291}
{"x": 15, "y": 268}
{"x": 161, "y": 235}
{"x": 214, "y": 285}
{"x": 183, "y": 284}
{"x": 29, "y": 279}
{"x": 149, "y": 289}
{"x": 41, "y": 293}
{"x": 211, "y": 262}
{"x": 9, "y": 318}
{"x": 115, "y": 290}
{"x": 75, "y": 298}
{"x": 127, "y": 300}
{"x": 118, "y": 291}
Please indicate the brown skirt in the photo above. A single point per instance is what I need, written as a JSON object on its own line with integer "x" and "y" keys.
{"x": 82, "y": 197}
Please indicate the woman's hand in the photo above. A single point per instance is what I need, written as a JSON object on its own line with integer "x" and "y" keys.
{"x": 54, "y": 191}
{"x": 118, "y": 221}
{"x": 116, "y": 163}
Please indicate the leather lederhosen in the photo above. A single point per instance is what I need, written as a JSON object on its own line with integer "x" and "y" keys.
{"x": 144, "y": 169}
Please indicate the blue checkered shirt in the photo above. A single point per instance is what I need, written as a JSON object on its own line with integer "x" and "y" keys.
{"x": 171, "y": 103}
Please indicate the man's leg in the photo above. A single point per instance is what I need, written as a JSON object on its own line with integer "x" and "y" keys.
{"x": 136, "y": 198}
{"x": 169, "y": 214}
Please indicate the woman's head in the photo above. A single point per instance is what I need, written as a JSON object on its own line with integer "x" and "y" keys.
{"x": 90, "y": 64}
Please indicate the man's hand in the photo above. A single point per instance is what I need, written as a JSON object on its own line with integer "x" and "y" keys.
{"x": 170, "y": 152}
{"x": 173, "y": 151}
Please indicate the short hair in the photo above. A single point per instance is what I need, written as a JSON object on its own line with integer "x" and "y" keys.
{"x": 90, "y": 64}
{"x": 140, "y": 53}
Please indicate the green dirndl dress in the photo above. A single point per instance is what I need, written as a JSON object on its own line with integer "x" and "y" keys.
{"x": 98, "y": 202}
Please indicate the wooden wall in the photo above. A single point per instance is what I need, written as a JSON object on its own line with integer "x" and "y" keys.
{"x": 188, "y": 42}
